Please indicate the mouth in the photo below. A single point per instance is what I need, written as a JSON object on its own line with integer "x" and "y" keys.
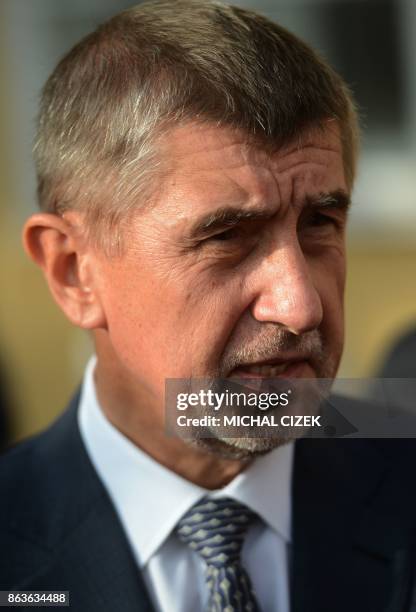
{"x": 295, "y": 367}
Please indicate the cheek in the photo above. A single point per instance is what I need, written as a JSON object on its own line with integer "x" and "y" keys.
{"x": 137, "y": 317}
{"x": 329, "y": 279}
{"x": 163, "y": 328}
{"x": 211, "y": 310}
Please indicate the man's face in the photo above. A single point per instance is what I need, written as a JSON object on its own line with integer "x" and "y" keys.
{"x": 238, "y": 266}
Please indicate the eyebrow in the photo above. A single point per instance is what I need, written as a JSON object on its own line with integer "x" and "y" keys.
{"x": 229, "y": 216}
{"x": 338, "y": 199}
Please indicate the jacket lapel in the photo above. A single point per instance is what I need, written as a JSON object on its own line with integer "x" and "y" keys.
{"x": 353, "y": 540}
{"x": 89, "y": 553}
{"x": 96, "y": 567}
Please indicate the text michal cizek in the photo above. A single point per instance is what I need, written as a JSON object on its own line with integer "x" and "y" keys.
{"x": 250, "y": 421}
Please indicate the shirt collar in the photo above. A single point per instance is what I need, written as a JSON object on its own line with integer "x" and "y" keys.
{"x": 150, "y": 499}
{"x": 265, "y": 487}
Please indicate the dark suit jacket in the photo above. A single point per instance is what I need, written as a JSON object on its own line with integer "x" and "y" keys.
{"x": 354, "y": 517}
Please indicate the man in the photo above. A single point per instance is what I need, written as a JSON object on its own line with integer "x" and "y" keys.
{"x": 195, "y": 166}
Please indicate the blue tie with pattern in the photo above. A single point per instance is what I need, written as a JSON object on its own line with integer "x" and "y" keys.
{"x": 215, "y": 529}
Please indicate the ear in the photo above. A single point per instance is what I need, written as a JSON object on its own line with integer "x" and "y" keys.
{"x": 58, "y": 245}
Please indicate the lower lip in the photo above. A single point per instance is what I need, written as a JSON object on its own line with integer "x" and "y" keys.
{"x": 298, "y": 369}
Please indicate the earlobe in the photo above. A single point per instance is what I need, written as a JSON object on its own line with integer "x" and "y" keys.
{"x": 59, "y": 247}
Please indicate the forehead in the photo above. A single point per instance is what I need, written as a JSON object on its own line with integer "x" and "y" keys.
{"x": 200, "y": 146}
{"x": 211, "y": 164}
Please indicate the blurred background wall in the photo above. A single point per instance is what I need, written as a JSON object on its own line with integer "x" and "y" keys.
{"x": 373, "y": 45}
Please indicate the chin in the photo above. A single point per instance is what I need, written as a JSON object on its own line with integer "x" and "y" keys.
{"x": 238, "y": 448}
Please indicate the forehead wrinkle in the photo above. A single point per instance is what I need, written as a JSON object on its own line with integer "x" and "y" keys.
{"x": 299, "y": 164}
{"x": 278, "y": 188}
{"x": 244, "y": 174}
{"x": 309, "y": 146}
{"x": 198, "y": 140}
{"x": 325, "y": 138}
{"x": 244, "y": 183}
{"x": 255, "y": 197}
{"x": 234, "y": 156}
{"x": 310, "y": 155}
{"x": 295, "y": 183}
{"x": 176, "y": 147}
{"x": 259, "y": 183}
{"x": 232, "y": 192}
{"x": 190, "y": 200}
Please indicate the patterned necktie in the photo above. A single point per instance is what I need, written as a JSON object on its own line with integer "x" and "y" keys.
{"x": 215, "y": 529}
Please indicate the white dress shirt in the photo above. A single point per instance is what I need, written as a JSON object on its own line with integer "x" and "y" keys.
{"x": 150, "y": 499}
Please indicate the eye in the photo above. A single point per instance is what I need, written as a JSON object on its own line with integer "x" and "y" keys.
{"x": 322, "y": 221}
{"x": 225, "y": 236}
{"x": 319, "y": 219}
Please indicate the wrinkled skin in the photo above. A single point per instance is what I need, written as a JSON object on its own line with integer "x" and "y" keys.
{"x": 180, "y": 305}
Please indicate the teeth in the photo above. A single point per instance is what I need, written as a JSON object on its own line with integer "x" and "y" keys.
{"x": 267, "y": 370}
{"x": 278, "y": 369}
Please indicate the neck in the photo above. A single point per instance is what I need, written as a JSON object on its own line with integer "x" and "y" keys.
{"x": 131, "y": 409}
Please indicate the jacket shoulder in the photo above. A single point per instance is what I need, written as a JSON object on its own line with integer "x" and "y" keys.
{"x": 19, "y": 474}
{"x": 47, "y": 487}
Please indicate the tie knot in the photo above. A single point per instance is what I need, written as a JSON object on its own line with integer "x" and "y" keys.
{"x": 215, "y": 529}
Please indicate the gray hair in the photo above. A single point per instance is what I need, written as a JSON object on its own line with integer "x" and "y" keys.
{"x": 118, "y": 91}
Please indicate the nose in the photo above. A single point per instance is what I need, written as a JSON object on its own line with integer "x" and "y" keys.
{"x": 286, "y": 293}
